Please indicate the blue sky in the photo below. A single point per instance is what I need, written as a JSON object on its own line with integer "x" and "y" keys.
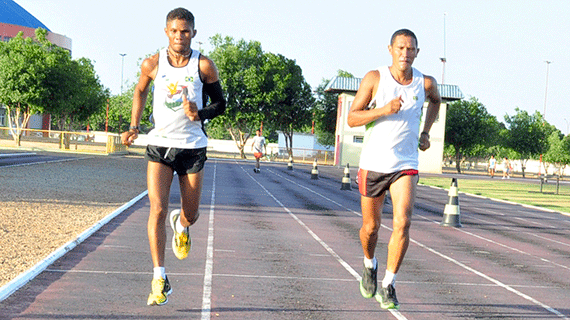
{"x": 495, "y": 50}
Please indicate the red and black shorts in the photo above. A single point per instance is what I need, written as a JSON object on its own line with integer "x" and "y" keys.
{"x": 258, "y": 155}
{"x": 373, "y": 184}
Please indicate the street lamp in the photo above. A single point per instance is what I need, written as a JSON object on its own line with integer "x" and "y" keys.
{"x": 122, "y": 67}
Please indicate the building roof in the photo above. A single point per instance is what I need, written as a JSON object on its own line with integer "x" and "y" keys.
{"x": 13, "y": 13}
{"x": 448, "y": 92}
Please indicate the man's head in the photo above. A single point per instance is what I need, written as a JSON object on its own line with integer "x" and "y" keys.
{"x": 258, "y": 132}
{"x": 180, "y": 30}
{"x": 180, "y": 14}
{"x": 403, "y": 32}
{"x": 404, "y": 49}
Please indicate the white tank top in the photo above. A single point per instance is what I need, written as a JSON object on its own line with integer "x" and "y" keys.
{"x": 172, "y": 128}
{"x": 391, "y": 142}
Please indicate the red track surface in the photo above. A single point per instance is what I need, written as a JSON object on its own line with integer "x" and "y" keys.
{"x": 278, "y": 245}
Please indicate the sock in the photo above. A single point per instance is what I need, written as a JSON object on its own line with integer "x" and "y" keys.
{"x": 179, "y": 226}
{"x": 389, "y": 279}
{"x": 370, "y": 263}
{"x": 159, "y": 273}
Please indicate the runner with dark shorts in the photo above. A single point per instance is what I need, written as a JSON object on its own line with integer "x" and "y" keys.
{"x": 182, "y": 78}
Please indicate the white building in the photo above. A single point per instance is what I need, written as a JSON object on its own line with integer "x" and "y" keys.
{"x": 348, "y": 141}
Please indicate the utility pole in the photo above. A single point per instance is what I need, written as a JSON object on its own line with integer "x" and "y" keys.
{"x": 444, "y": 59}
{"x": 122, "y": 67}
{"x": 546, "y": 90}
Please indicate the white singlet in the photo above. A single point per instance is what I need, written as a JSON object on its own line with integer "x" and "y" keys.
{"x": 391, "y": 142}
{"x": 173, "y": 129}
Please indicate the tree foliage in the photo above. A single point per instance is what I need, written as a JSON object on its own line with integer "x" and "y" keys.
{"x": 260, "y": 87}
{"x": 289, "y": 99}
{"x": 239, "y": 64}
{"x": 470, "y": 129}
{"x": 527, "y": 135}
{"x": 558, "y": 152}
{"x": 326, "y": 111}
{"x": 36, "y": 76}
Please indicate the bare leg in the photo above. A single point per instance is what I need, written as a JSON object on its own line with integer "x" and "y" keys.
{"x": 190, "y": 193}
{"x": 371, "y": 218}
{"x": 159, "y": 179}
{"x": 403, "y": 193}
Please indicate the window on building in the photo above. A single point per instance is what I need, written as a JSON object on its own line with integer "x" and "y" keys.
{"x": 358, "y": 139}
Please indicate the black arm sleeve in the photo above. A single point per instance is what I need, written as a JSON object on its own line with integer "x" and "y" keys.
{"x": 217, "y": 104}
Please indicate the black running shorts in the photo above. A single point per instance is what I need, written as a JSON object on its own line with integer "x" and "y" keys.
{"x": 373, "y": 184}
{"x": 183, "y": 161}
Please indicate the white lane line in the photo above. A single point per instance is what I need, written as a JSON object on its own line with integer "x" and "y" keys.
{"x": 484, "y": 276}
{"x": 498, "y": 243}
{"x": 31, "y": 273}
{"x": 348, "y": 268}
{"x": 9, "y": 155}
{"x": 44, "y": 162}
{"x": 208, "y": 270}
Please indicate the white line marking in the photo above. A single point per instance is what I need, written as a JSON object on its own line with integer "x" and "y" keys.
{"x": 208, "y": 270}
{"x": 348, "y": 268}
{"x": 497, "y": 282}
{"x": 43, "y": 162}
{"x": 31, "y": 273}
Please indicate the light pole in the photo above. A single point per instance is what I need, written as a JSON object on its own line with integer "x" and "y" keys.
{"x": 444, "y": 59}
{"x": 122, "y": 66}
{"x": 546, "y": 90}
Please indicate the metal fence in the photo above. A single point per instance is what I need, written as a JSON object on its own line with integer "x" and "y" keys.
{"x": 48, "y": 140}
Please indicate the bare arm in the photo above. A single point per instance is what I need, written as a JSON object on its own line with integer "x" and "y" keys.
{"x": 434, "y": 101}
{"x": 148, "y": 73}
{"x": 359, "y": 113}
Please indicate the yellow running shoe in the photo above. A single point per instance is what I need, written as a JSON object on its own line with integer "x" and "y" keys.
{"x": 181, "y": 241}
{"x": 160, "y": 290}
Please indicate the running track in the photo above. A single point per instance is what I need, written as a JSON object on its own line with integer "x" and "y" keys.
{"x": 278, "y": 245}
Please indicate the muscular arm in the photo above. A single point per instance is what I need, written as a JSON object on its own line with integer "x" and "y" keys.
{"x": 359, "y": 113}
{"x": 148, "y": 73}
{"x": 434, "y": 101}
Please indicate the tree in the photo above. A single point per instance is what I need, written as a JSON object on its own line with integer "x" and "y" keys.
{"x": 239, "y": 64}
{"x": 74, "y": 91}
{"x": 326, "y": 111}
{"x": 558, "y": 151}
{"x": 22, "y": 74}
{"x": 469, "y": 127}
{"x": 288, "y": 98}
{"x": 527, "y": 135}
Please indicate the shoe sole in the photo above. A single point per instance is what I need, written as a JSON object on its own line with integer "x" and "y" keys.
{"x": 364, "y": 293}
{"x": 386, "y": 306}
{"x": 172, "y": 222}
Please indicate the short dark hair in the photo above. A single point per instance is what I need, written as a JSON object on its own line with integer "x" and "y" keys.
{"x": 403, "y": 32}
{"x": 180, "y": 14}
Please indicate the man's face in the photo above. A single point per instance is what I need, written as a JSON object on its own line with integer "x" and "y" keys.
{"x": 404, "y": 52}
{"x": 180, "y": 34}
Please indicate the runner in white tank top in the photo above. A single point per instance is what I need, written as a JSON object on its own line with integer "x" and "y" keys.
{"x": 178, "y": 143}
{"x": 172, "y": 127}
{"x": 389, "y": 103}
{"x": 391, "y": 142}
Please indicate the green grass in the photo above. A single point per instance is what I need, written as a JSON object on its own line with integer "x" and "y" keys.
{"x": 519, "y": 192}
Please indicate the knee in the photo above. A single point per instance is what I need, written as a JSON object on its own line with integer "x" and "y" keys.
{"x": 370, "y": 228}
{"x": 158, "y": 212}
{"x": 402, "y": 225}
{"x": 191, "y": 216}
